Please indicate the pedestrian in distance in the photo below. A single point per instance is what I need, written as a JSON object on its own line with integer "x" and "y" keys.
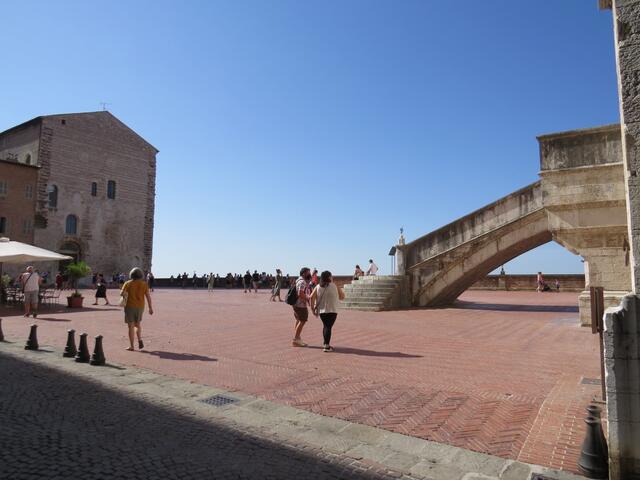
{"x": 298, "y": 298}
{"x": 540, "y": 283}
{"x": 557, "y": 285}
{"x": 314, "y": 278}
{"x": 275, "y": 292}
{"x": 373, "y": 268}
{"x": 324, "y": 302}
{"x": 211, "y": 282}
{"x": 30, "y": 285}
{"x": 246, "y": 282}
{"x": 132, "y": 298}
{"x": 151, "y": 280}
{"x": 358, "y": 273}
{"x": 101, "y": 289}
{"x": 255, "y": 279}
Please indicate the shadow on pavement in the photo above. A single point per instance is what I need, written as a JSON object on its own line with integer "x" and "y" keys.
{"x": 52, "y": 319}
{"x": 372, "y": 353}
{"x": 506, "y": 307}
{"x": 55, "y": 424}
{"x": 179, "y": 356}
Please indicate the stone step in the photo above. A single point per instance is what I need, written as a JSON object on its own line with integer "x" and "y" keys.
{"x": 357, "y": 290}
{"x": 362, "y": 303}
{"x": 369, "y": 296}
{"x": 365, "y": 293}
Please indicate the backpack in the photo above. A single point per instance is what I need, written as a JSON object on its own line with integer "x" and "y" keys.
{"x": 292, "y": 295}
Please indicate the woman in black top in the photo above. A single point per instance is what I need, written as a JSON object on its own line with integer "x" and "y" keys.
{"x": 101, "y": 289}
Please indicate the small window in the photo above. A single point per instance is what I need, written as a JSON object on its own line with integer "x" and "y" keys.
{"x": 27, "y": 159}
{"x": 63, "y": 121}
{"x": 94, "y": 189}
{"x": 111, "y": 189}
{"x": 27, "y": 226}
{"x": 4, "y": 187}
{"x": 28, "y": 191}
{"x": 53, "y": 196}
{"x": 3, "y": 224}
{"x": 71, "y": 226}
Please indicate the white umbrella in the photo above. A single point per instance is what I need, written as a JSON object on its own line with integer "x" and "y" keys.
{"x": 18, "y": 252}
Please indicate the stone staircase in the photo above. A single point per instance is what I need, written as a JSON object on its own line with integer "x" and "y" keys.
{"x": 374, "y": 293}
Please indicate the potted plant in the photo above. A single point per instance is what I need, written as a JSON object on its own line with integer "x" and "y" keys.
{"x": 76, "y": 271}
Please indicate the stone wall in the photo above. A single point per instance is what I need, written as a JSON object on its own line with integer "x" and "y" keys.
{"x": 568, "y": 282}
{"x": 74, "y": 150}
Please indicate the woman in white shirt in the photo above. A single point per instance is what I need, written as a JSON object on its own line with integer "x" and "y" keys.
{"x": 324, "y": 302}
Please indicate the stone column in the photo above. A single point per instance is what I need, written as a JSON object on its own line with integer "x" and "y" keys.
{"x": 401, "y": 268}
{"x": 622, "y": 324}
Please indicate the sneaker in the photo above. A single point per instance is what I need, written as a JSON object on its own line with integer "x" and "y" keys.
{"x": 297, "y": 342}
{"x": 140, "y": 344}
{"x": 327, "y": 348}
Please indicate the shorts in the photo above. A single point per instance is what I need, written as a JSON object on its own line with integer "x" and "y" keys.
{"x": 301, "y": 313}
{"x": 133, "y": 314}
{"x": 31, "y": 298}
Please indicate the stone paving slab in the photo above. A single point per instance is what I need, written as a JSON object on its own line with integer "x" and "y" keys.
{"x": 501, "y": 373}
{"x": 63, "y": 419}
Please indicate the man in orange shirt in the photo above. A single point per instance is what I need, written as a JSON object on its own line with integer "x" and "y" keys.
{"x": 135, "y": 291}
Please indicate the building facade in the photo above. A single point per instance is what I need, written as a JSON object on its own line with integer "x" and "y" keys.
{"x": 18, "y": 187}
{"x": 95, "y": 190}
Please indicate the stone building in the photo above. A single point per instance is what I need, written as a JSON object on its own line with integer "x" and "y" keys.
{"x": 17, "y": 199}
{"x": 95, "y": 191}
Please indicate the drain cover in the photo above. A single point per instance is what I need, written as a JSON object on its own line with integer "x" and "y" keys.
{"x": 219, "y": 400}
{"x": 590, "y": 381}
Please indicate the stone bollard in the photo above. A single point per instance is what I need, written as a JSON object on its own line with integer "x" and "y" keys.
{"x": 32, "y": 342}
{"x": 70, "y": 350}
{"x": 1, "y": 334}
{"x": 83, "y": 352}
{"x": 593, "y": 461}
{"x": 98, "y": 354}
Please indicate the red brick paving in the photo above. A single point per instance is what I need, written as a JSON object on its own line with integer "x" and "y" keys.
{"x": 500, "y": 373}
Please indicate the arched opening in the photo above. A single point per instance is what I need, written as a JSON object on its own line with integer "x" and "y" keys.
{"x": 71, "y": 249}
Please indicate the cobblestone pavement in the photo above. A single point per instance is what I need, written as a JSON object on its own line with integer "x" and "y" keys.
{"x": 57, "y": 426}
{"x": 504, "y": 373}
{"x": 60, "y": 419}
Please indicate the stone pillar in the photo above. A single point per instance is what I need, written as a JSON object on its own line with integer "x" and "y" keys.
{"x": 622, "y": 377}
{"x": 401, "y": 268}
{"x": 622, "y": 324}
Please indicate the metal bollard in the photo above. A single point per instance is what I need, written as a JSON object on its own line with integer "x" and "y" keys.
{"x": 32, "y": 342}
{"x": 98, "y": 354}
{"x": 70, "y": 350}
{"x": 593, "y": 461}
{"x": 83, "y": 352}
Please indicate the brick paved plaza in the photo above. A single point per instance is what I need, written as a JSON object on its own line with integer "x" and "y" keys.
{"x": 502, "y": 373}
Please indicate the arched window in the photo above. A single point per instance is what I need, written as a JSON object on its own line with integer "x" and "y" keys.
{"x": 71, "y": 226}
{"x": 111, "y": 189}
{"x": 94, "y": 189}
{"x": 53, "y": 196}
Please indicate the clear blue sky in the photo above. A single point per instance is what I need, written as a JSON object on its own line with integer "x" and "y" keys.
{"x": 307, "y": 132}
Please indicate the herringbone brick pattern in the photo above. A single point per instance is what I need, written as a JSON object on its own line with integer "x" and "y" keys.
{"x": 500, "y": 373}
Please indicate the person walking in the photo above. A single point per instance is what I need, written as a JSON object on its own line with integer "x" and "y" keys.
{"x": 540, "y": 282}
{"x": 300, "y": 310}
{"x": 275, "y": 292}
{"x": 246, "y": 281}
{"x": 373, "y": 268}
{"x": 134, "y": 293}
{"x": 211, "y": 282}
{"x": 101, "y": 289}
{"x": 30, "y": 284}
{"x": 150, "y": 280}
{"x": 314, "y": 279}
{"x": 324, "y": 302}
{"x": 255, "y": 279}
